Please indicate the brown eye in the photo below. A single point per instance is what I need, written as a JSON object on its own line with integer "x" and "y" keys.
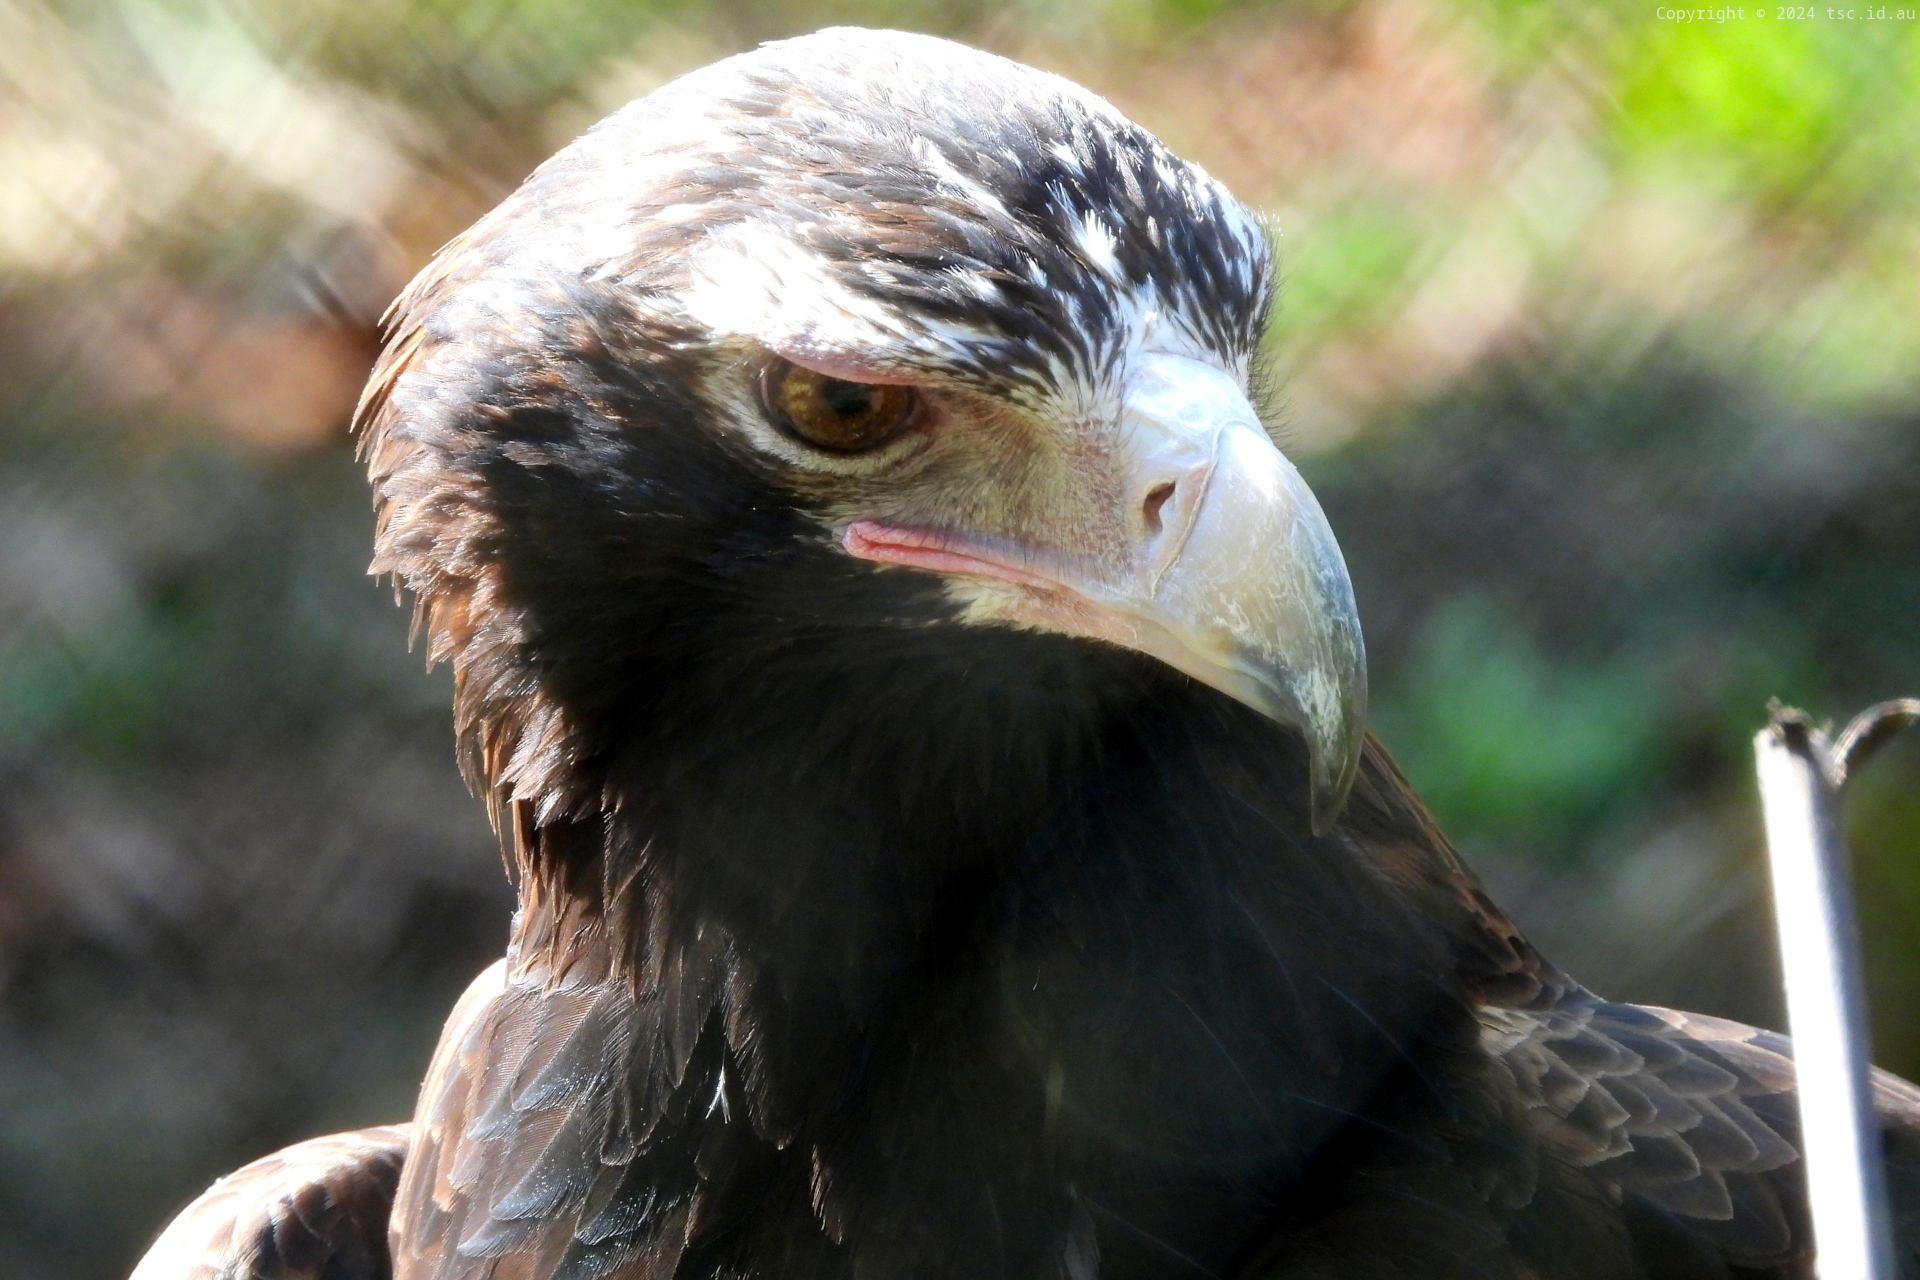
{"x": 833, "y": 413}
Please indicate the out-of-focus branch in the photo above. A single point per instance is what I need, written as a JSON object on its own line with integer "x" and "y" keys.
{"x": 1801, "y": 776}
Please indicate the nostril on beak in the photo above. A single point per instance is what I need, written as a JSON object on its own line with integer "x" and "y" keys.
{"x": 1157, "y": 498}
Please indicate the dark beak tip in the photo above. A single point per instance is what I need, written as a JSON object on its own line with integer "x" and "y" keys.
{"x": 1328, "y": 801}
{"x": 1332, "y": 769}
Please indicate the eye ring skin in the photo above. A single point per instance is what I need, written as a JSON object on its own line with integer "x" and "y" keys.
{"x": 835, "y": 415}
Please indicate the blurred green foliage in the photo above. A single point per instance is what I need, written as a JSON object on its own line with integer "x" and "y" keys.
{"x": 1506, "y": 740}
{"x": 1353, "y": 266}
{"x": 1785, "y": 104}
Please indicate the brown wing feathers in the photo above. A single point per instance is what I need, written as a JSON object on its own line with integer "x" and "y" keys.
{"x": 1691, "y": 1115}
{"x": 314, "y": 1211}
{"x": 560, "y": 1128}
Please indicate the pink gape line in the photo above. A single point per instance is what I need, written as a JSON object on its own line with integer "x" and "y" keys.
{"x": 924, "y": 549}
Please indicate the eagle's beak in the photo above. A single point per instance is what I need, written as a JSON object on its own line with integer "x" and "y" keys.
{"x": 1238, "y": 581}
{"x": 1228, "y": 573}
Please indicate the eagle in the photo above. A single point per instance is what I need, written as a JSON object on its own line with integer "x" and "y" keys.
{"x": 925, "y": 713}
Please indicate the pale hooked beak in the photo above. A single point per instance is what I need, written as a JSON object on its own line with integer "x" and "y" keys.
{"x": 1233, "y": 575}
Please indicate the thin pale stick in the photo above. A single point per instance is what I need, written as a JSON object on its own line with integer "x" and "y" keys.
{"x": 1826, "y": 1002}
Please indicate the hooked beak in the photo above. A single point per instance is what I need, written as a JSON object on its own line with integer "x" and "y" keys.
{"x": 1232, "y": 576}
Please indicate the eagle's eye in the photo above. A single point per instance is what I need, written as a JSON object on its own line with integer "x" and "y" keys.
{"x": 832, "y": 413}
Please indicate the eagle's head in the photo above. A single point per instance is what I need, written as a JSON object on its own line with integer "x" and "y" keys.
{"x": 866, "y": 387}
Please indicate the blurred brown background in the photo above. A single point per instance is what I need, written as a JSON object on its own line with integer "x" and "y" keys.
{"x": 1598, "y": 338}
